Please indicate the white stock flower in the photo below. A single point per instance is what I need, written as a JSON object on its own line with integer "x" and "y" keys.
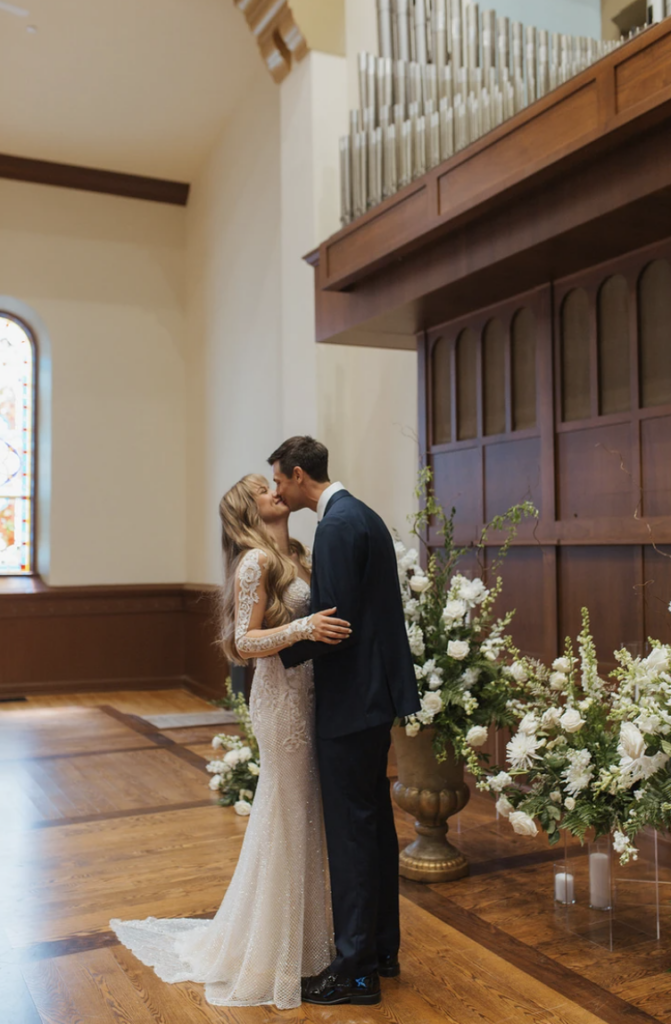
{"x": 253, "y": 768}
{"x": 473, "y": 592}
{"x": 412, "y": 728}
{"x": 657, "y": 661}
{"x": 231, "y": 758}
{"x": 419, "y": 584}
{"x": 562, "y": 665}
{"x": 411, "y": 609}
{"x": 243, "y": 808}
{"x": 419, "y": 673}
{"x": 454, "y": 611}
{"x": 416, "y": 640}
{"x": 216, "y": 742}
{"x": 571, "y": 720}
{"x": 569, "y": 803}
{"x": 529, "y": 724}
{"x": 504, "y": 806}
{"x": 556, "y": 797}
{"x": 477, "y": 735}
{"x": 558, "y": 680}
{"x": 500, "y": 781}
{"x": 244, "y": 754}
{"x": 518, "y": 672}
{"x": 522, "y": 749}
{"x": 522, "y": 823}
{"x": 648, "y": 723}
{"x": 551, "y": 718}
{"x": 215, "y": 782}
{"x": 579, "y": 772}
{"x": 470, "y": 676}
{"x": 458, "y": 649}
{"x": 435, "y": 681}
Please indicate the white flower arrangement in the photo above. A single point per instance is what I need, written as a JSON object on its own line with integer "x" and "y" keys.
{"x": 588, "y": 753}
{"x": 235, "y": 775}
{"x": 456, "y": 644}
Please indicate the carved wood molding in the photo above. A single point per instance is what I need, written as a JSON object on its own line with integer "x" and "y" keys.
{"x": 279, "y": 38}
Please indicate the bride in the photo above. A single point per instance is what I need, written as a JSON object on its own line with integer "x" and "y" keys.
{"x": 274, "y": 925}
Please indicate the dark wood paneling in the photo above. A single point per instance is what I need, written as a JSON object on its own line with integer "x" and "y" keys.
{"x": 657, "y": 592}
{"x": 656, "y": 466}
{"x": 645, "y": 74}
{"x": 594, "y": 473}
{"x": 604, "y": 580}
{"x": 520, "y": 151}
{"x": 454, "y": 476}
{"x": 97, "y": 638}
{"x": 522, "y": 574}
{"x": 90, "y": 179}
{"x": 512, "y": 475}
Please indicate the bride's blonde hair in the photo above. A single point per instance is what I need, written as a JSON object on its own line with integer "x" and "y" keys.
{"x": 242, "y": 529}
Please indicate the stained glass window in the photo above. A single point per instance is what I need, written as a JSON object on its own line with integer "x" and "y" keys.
{"x": 17, "y": 395}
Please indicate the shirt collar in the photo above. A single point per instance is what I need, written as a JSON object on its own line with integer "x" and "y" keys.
{"x": 326, "y": 497}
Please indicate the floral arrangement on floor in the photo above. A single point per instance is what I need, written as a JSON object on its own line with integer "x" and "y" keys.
{"x": 456, "y": 643}
{"x": 589, "y": 753}
{"x": 235, "y": 776}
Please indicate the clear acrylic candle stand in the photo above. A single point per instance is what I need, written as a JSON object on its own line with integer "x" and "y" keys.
{"x": 616, "y": 905}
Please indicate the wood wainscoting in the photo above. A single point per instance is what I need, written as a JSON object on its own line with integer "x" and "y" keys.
{"x": 61, "y": 639}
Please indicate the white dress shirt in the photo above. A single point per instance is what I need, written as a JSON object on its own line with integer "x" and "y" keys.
{"x": 326, "y": 497}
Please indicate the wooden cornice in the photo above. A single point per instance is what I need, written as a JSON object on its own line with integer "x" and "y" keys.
{"x": 90, "y": 179}
{"x": 279, "y": 38}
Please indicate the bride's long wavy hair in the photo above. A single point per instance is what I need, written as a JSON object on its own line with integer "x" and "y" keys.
{"x": 242, "y": 529}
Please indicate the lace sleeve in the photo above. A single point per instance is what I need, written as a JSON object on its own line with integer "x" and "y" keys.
{"x": 261, "y": 642}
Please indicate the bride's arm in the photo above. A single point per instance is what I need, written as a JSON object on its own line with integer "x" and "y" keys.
{"x": 251, "y": 640}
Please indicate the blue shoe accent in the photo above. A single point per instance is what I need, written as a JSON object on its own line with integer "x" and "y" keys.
{"x": 361, "y": 982}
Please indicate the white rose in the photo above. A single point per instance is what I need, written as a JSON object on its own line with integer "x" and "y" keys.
{"x": 231, "y": 758}
{"x": 562, "y": 665}
{"x": 244, "y": 754}
{"x": 529, "y": 724}
{"x": 571, "y": 721}
{"x": 419, "y": 584}
{"x": 412, "y": 728}
{"x": 458, "y": 649}
{"x": 522, "y": 823}
{"x": 216, "y": 742}
{"x": 500, "y": 781}
{"x": 253, "y": 768}
{"x": 432, "y": 704}
{"x": 477, "y": 735}
{"x": 243, "y": 808}
{"x": 215, "y": 782}
{"x": 246, "y": 794}
{"x": 504, "y": 806}
{"x": 558, "y": 680}
{"x": 569, "y": 803}
{"x": 518, "y": 672}
{"x": 454, "y": 611}
{"x": 555, "y": 797}
{"x": 435, "y": 682}
{"x": 419, "y": 674}
{"x": 551, "y": 718}
{"x": 632, "y": 741}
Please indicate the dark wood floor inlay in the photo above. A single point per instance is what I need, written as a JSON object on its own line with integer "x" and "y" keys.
{"x": 147, "y": 730}
{"x": 580, "y": 990}
{"x": 128, "y": 812}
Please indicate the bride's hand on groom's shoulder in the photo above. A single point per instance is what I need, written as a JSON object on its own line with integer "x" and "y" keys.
{"x": 329, "y": 630}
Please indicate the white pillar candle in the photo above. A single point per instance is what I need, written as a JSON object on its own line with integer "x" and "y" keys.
{"x": 599, "y": 881}
{"x": 564, "y": 887}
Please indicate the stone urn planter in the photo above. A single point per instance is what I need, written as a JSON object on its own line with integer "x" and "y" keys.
{"x": 432, "y": 792}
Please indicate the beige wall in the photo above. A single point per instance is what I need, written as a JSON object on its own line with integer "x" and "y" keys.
{"x": 234, "y": 317}
{"x": 105, "y": 276}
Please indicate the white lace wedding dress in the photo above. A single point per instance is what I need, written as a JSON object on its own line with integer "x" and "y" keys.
{"x": 275, "y": 924}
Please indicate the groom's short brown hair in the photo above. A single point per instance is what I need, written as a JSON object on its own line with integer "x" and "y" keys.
{"x": 312, "y": 457}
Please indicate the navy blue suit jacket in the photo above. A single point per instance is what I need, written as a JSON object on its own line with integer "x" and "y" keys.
{"x": 368, "y": 679}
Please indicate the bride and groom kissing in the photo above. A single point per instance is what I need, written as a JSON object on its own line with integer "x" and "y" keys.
{"x": 312, "y": 911}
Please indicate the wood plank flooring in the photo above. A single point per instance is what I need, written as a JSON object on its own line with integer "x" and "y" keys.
{"x": 105, "y": 816}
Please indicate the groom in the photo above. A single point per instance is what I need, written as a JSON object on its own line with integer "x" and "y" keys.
{"x": 361, "y": 686}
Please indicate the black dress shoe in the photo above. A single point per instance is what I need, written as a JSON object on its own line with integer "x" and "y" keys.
{"x": 331, "y": 989}
{"x": 389, "y": 966}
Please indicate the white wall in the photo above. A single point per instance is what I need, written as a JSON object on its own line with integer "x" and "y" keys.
{"x": 106, "y": 277}
{"x": 234, "y": 377}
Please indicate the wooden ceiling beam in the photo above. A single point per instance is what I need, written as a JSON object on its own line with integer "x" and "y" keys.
{"x": 278, "y": 37}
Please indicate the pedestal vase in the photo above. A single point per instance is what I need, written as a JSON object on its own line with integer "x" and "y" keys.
{"x": 432, "y": 791}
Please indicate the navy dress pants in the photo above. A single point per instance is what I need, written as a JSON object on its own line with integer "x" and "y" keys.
{"x": 362, "y": 848}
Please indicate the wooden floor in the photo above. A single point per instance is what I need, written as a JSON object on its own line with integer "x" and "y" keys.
{"x": 104, "y": 816}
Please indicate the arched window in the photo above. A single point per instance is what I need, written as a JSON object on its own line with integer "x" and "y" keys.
{"x": 17, "y": 447}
